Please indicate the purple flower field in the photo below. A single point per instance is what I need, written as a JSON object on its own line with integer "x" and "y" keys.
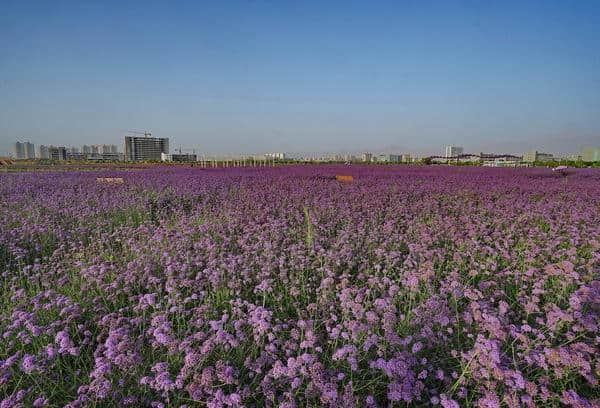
{"x": 410, "y": 286}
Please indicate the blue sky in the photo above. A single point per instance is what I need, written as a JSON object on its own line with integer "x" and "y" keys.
{"x": 254, "y": 76}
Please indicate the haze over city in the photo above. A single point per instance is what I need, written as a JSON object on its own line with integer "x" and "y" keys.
{"x": 253, "y": 76}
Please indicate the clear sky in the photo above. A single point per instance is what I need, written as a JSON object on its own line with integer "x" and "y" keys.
{"x": 303, "y": 76}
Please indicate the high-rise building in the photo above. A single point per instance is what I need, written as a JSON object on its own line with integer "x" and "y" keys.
{"x": 367, "y": 157}
{"x": 591, "y": 154}
{"x": 24, "y": 150}
{"x": 42, "y": 152}
{"x": 453, "y": 151}
{"x": 29, "y": 150}
{"x": 109, "y": 149}
{"x": 145, "y": 148}
{"x": 18, "y": 150}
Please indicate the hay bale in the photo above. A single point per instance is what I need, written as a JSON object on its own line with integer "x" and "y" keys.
{"x": 344, "y": 179}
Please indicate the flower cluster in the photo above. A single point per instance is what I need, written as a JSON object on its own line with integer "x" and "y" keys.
{"x": 409, "y": 286}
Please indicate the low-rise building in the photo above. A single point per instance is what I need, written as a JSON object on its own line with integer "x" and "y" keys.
{"x": 468, "y": 158}
{"x": 502, "y": 161}
{"x": 461, "y": 158}
{"x": 178, "y": 157}
{"x": 438, "y": 159}
{"x": 75, "y": 155}
{"x": 57, "y": 153}
{"x": 495, "y": 160}
{"x": 388, "y": 158}
{"x": 277, "y": 156}
{"x": 535, "y": 156}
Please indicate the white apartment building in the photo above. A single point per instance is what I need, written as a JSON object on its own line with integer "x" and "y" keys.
{"x": 43, "y": 152}
{"x": 453, "y": 151}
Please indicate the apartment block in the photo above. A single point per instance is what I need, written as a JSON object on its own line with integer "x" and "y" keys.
{"x": 145, "y": 148}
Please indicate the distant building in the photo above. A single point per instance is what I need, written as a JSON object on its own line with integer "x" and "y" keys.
{"x": 103, "y": 157}
{"x": 42, "y": 152}
{"x": 501, "y": 157}
{"x": 18, "y": 150}
{"x": 591, "y": 154}
{"x": 405, "y": 158}
{"x": 24, "y": 150}
{"x": 73, "y": 154}
{"x": 367, "y": 157}
{"x": 145, "y": 148}
{"x": 461, "y": 158}
{"x": 72, "y": 150}
{"x": 277, "y": 156}
{"x": 29, "y": 150}
{"x": 183, "y": 157}
{"x": 100, "y": 152}
{"x": 109, "y": 149}
{"x": 490, "y": 160}
{"x": 57, "y": 153}
{"x": 178, "y": 157}
{"x": 111, "y": 156}
{"x": 529, "y": 157}
{"x": 453, "y": 151}
{"x": 388, "y": 158}
{"x": 501, "y": 161}
{"x": 536, "y": 156}
{"x": 468, "y": 158}
{"x": 438, "y": 159}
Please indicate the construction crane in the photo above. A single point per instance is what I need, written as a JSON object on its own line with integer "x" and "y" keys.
{"x": 145, "y": 133}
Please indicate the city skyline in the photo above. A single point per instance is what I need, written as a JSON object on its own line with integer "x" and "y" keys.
{"x": 263, "y": 76}
{"x": 575, "y": 148}
{"x": 151, "y": 148}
